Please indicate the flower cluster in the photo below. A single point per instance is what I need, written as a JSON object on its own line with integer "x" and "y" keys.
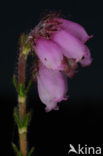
{"x": 60, "y": 46}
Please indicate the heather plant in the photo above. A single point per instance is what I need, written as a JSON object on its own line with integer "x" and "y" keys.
{"x": 59, "y": 46}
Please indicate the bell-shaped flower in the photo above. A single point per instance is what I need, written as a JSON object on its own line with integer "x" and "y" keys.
{"x": 71, "y": 46}
{"x": 75, "y": 29}
{"x": 52, "y": 87}
{"x": 56, "y": 38}
{"x": 49, "y": 53}
{"x": 60, "y": 46}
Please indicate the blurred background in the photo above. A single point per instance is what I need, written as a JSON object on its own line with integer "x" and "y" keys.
{"x": 79, "y": 119}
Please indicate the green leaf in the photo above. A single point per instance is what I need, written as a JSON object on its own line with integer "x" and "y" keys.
{"x": 26, "y": 120}
{"x": 15, "y": 82}
{"x": 26, "y": 49}
{"x": 16, "y": 117}
{"x": 31, "y": 151}
{"x": 22, "y": 39}
{"x": 28, "y": 87}
{"x": 16, "y": 150}
{"x": 25, "y": 44}
{"x": 21, "y": 90}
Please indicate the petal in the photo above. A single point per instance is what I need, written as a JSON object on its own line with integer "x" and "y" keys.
{"x": 75, "y": 29}
{"x": 49, "y": 53}
{"x": 87, "y": 60}
{"x": 52, "y": 87}
{"x": 71, "y": 46}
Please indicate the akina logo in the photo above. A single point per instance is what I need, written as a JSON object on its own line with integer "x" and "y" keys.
{"x": 84, "y": 150}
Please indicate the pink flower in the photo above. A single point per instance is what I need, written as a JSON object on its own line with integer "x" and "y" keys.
{"x": 49, "y": 53}
{"x": 60, "y": 46}
{"x": 56, "y": 37}
{"x": 70, "y": 45}
{"x": 75, "y": 29}
{"x": 52, "y": 87}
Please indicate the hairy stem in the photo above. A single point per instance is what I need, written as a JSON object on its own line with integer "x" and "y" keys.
{"x": 21, "y": 116}
{"x": 21, "y": 68}
{"x": 22, "y": 104}
{"x": 23, "y": 130}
